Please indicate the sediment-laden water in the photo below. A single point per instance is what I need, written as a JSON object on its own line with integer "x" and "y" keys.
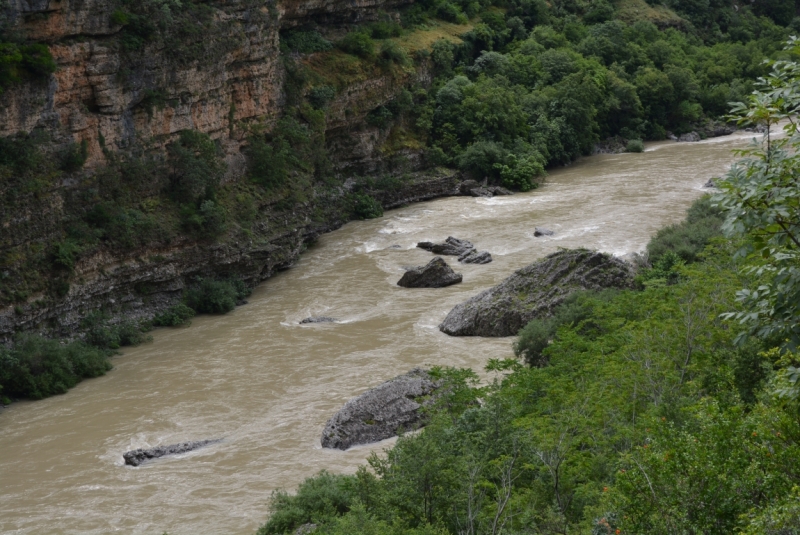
{"x": 266, "y": 384}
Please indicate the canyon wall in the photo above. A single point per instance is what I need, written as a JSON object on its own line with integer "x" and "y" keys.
{"x": 113, "y": 95}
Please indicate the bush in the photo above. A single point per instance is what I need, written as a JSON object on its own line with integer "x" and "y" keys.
{"x": 305, "y": 42}
{"x": 634, "y": 145}
{"x": 111, "y": 337}
{"x": 380, "y": 117}
{"x": 216, "y": 297}
{"x": 366, "y": 207}
{"x": 688, "y": 238}
{"x": 267, "y": 164}
{"x": 174, "y": 316}
{"x": 36, "y": 367}
{"x": 537, "y": 335}
{"x": 392, "y": 53}
{"x": 318, "y": 498}
{"x": 359, "y": 44}
{"x": 320, "y": 96}
{"x": 196, "y": 166}
{"x": 384, "y": 29}
{"x": 75, "y": 156}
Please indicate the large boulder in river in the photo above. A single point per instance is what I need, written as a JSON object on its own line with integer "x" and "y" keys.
{"x": 436, "y": 274}
{"x": 381, "y": 412}
{"x": 137, "y": 457}
{"x": 534, "y": 291}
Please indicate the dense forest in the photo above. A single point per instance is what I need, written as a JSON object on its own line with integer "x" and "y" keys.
{"x": 672, "y": 408}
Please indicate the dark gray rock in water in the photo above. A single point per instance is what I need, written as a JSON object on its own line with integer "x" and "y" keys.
{"x": 710, "y": 184}
{"x": 499, "y": 190}
{"x": 467, "y": 186}
{"x": 541, "y": 231}
{"x": 318, "y": 319}
{"x": 436, "y": 274}
{"x": 463, "y": 249}
{"x": 381, "y": 412}
{"x": 137, "y": 457}
{"x": 533, "y": 292}
{"x": 451, "y": 246}
{"x": 475, "y": 257}
{"x": 691, "y": 137}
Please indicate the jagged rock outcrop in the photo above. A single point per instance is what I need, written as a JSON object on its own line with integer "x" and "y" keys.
{"x": 463, "y": 249}
{"x": 381, "y": 412}
{"x": 137, "y": 457}
{"x": 435, "y": 274}
{"x": 533, "y": 292}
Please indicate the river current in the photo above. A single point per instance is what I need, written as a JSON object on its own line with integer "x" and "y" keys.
{"x": 266, "y": 384}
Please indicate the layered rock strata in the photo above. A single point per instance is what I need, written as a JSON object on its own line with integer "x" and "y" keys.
{"x": 381, "y": 412}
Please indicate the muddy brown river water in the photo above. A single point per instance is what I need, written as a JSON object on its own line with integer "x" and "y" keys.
{"x": 266, "y": 384}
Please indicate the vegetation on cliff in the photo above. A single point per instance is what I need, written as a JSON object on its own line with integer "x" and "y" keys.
{"x": 640, "y": 411}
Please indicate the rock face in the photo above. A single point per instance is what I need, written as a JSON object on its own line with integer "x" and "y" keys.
{"x": 137, "y": 457}
{"x": 318, "y": 319}
{"x": 381, "y": 412}
{"x": 435, "y": 274}
{"x": 116, "y": 99}
{"x": 463, "y": 249}
{"x": 533, "y": 292}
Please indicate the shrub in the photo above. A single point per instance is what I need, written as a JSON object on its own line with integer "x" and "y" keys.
{"x": 174, "y": 316}
{"x": 305, "y": 42}
{"x": 111, "y": 337}
{"x": 634, "y": 145}
{"x": 366, "y": 207}
{"x": 75, "y": 156}
{"x": 320, "y": 96}
{"x": 267, "y": 164}
{"x": 688, "y": 238}
{"x": 359, "y": 44}
{"x": 65, "y": 254}
{"x": 36, "y": 367}
{"x": 384, "y": 29}
{"x": 318, "y": 498}
{"x": 537, "y": 335}
{"x": 380, "y": 117}
{"x": 392, "y": 53}
{"x": 196, "y": 166}
{"x": 216, "y": 297}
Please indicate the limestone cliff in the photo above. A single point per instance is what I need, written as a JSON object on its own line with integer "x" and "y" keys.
{"x": 219, "y": 71}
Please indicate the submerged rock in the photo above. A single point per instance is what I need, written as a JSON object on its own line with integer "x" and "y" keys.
{"x": 381, "y": 412}
{"x": 451, "y": 246}
{"x": 533, "y": 292}
{"x": 710, "y": 184}
{"x": 691, "y": 137}
{"x": 475, "y": 257}
{"x": 318, "y": 319}
{"x": 435, "y": 274}
{"x": 541, "y": 231}
{"x": 137, "y": 457}
{"x": 463, "y": 249}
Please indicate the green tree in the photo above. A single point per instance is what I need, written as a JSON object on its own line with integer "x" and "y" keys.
{"x": 761, "y": 198}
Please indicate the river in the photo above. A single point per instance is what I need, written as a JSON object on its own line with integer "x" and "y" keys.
{"x": 267, "y": 385}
